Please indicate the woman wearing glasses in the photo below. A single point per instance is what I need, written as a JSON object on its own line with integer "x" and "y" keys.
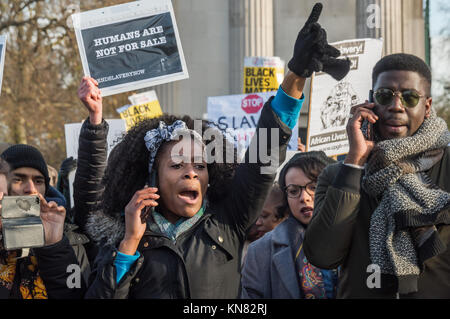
{"x": 276, "y": 266}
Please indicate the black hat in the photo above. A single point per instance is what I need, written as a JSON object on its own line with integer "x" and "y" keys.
{"x": 21, "y": 155}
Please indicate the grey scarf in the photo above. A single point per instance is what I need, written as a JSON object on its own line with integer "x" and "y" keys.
{"x": 402, "y": 234}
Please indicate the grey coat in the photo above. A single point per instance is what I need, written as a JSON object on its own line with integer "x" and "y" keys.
{"x": 269, "y": 267}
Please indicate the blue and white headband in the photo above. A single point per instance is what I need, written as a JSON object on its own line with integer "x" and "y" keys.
{"x": 164, "y": 133}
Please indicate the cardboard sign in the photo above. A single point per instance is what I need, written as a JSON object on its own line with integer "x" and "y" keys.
{"x": 262, "y": 74}
{"x": 72, "y": 131}
{"x": 130, "y": 46}
{"x": 142, "y": 98}
{"x": 133, "y": 114}
{"x": 331, "y": 101}
{"x": 2, "y": 58}
{"x": 239, "y": 115}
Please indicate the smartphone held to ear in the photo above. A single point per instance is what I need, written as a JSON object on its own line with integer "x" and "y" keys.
{"x": 371, "y": 96}
{"x": 147, "y": 210}
{"x": 21, "y": 222}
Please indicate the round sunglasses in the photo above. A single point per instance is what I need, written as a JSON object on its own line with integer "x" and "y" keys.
{"x": 409, "y": 97}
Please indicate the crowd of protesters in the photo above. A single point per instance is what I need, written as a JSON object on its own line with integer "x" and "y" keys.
{"x": 154, "y": 220}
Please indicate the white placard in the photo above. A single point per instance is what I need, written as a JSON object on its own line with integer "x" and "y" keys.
{"x": 239, "y": 115}
{"x": 142, "y": 98}
{"x": 2, "y": 58}
{"x": 117, "y": 128}
{"x": 130, "y": 46}
{"x": 331, "y": 100}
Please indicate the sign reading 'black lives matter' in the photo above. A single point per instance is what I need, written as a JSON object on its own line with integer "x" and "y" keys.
{"x": 130, "y": 46}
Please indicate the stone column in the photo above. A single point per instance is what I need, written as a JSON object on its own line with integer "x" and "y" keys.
{"x": 366, "y": 22}
{"x": 251, "y": 34}
{"x": 402, "y": 25}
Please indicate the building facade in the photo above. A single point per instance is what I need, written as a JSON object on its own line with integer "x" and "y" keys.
{"x": 216, "y": 35}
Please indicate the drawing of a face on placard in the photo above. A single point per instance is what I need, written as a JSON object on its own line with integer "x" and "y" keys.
{"x": 336, "y": 108}
{"x": 132, "y": 50}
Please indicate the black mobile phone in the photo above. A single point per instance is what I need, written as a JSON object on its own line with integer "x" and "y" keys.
{"x": 371, "y": 96}
{"x": 153, "y": 180}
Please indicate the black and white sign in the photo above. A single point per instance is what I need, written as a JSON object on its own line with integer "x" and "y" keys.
{"x": 130, "y": 46}
{"x": 332, "y": 100}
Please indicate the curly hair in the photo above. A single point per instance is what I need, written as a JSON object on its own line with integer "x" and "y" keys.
{"x": 127, "y": 169}
{"x": 311, "y": 163}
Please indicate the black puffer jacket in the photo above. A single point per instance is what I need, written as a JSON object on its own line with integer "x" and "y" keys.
{"x": 205, "y": 261}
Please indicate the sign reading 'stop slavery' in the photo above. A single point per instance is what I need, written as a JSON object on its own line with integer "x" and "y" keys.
{"x": 130, "y": 46}
{"x": 2, "y": 58}
{"x": 238, "y": 115}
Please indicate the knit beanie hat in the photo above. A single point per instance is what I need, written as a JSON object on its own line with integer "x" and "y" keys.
{"x": 21, "y": 155}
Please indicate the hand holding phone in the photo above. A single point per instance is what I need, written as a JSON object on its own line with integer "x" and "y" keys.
{"x": 134, "y": 227}
{"x": 360, "y": 145}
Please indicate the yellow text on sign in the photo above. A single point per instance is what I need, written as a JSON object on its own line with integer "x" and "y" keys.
{"x": 136, "y": 113}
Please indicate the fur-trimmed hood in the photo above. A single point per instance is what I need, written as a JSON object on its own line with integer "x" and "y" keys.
{"x": 105, "y": 229}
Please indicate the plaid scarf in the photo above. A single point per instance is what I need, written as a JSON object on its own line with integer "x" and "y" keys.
{"x": 173, "y": 231}
{"x": 402, "y": 233}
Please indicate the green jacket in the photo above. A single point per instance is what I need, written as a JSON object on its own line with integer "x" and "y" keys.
{"x": 338, "y": 235}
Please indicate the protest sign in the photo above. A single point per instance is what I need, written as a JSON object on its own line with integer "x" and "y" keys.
{"x": 133, "y": 114}
{"x": 130, "y": 46}
{"x": 2, "y": 58}
{"x": 72, "y": 131}
{"x": 141, "y": 98}
{"x": 330, "y": 100}
{"x": 239, "y": 115}
{"x": 262, "y": 74}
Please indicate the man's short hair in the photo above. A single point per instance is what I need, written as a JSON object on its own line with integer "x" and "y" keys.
{"x": 403, "y": 62}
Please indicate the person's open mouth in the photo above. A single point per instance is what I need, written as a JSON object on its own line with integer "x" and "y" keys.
{"x": 307, "y": 211}
{"x": 189, "y": 196}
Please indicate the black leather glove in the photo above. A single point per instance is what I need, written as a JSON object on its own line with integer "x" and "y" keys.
{"x": 312, "y": 53}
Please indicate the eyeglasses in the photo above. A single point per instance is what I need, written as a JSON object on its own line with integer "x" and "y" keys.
{"x": 294, "y": 191}
{"x": 409, "y": 98}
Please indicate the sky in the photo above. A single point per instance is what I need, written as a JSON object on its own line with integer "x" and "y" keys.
{"x": 439, "y": 18}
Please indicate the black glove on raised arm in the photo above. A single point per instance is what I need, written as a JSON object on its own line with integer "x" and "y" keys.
{"x": 312, "y": 53}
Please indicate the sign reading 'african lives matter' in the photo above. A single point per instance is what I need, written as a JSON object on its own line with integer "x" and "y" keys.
{"x": 332, "y": 100}
{"x": 137, "y": 48}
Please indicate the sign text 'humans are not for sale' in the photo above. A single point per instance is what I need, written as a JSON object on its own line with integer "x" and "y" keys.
{"x": 130, "y": 46}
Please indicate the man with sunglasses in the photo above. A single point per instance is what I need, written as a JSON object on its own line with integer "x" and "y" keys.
{"x": 383, "y": 214}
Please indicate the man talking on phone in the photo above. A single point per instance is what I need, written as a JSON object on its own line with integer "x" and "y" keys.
{"x": 383, "y": 214}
